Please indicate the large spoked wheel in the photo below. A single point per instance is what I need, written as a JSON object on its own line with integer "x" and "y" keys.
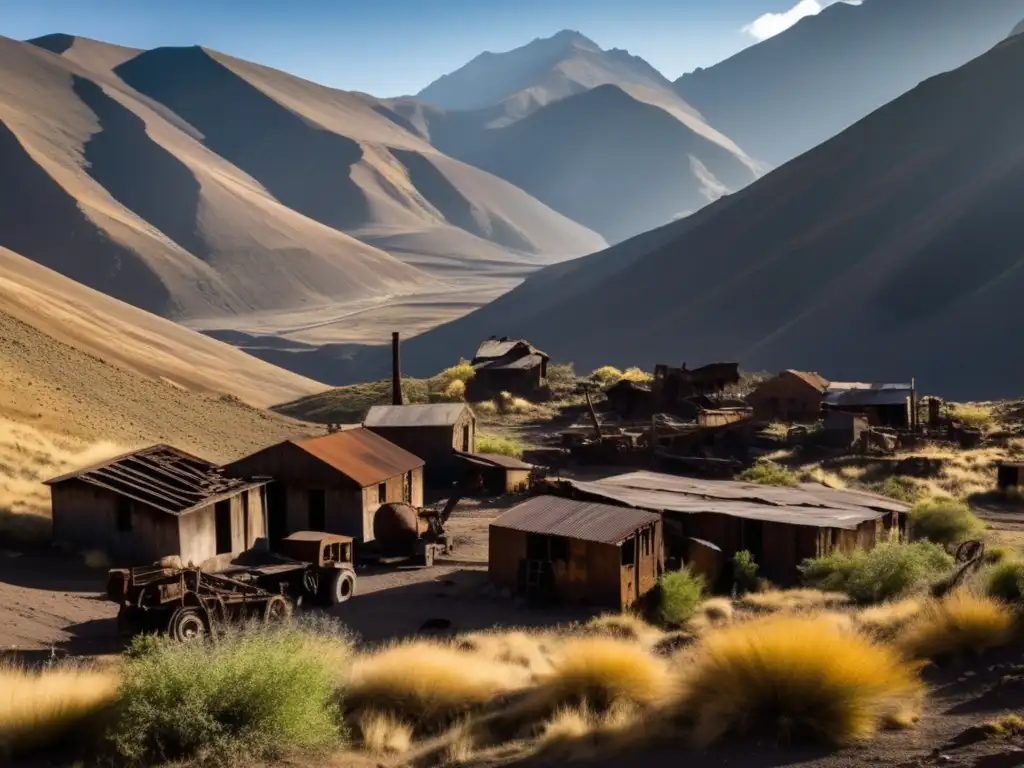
{"x": 277, "y": 610}
{"x": 187, "y": 625}
{"x": 341, "y": 587}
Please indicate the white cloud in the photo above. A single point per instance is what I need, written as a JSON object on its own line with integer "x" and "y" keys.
{"x": 771, "y": 24}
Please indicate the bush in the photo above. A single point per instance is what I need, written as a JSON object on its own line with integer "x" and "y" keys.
{"x": 886, "y": 620}
{"x": 598, "y": 672}
{"x": 623, "y": 626}
{"x": 606, "y": 374}
{"x": 794, "y": 678}
{"x": 904, "y": 489}
{"x": 40, "y": 710}
{"x": 957, "y": 624}
{"x": 455, "y": 391}
{"x": 427, "y": 685}
{"x": 485, "y": 408}
{"x": 769, "y": 473}
{"x": 943, "y": 521}
{"x": 971, "y": 416}
{"x": 462, "y": 372}
{"x": 254, "y": 694}
{"x": 888, "y": 571}
{"x": 505, "y": 446}
{"x": 1005, "y": 581}
{"x": 515, "y": 405}
{"x": 744, "y": 572}
{"x": 638, "y": 375}
{"x": 793, "y": 600}
{"x": 679, "y": 596}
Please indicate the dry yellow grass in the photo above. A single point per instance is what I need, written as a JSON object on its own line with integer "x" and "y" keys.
{"x": 508, "y": 403}
{"x": 427, "y": 684}
{"x": 601, "y": 671}
{"x": 580, "y": 732}
{"x": 38, "y": 709}
{"x": 531, "y": 651}
{"x": 974, "y": 415}
{"x": 383, "y": 733}
{"x": 886, "y": 620}
{"x": 624, "y": 626}
{"x": 790, "y": 600}
{"x": 717, "y": 610}
{"x": 957, "y": 624}
{"x": 766, "y": 678}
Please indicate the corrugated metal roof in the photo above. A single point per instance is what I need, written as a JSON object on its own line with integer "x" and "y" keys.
{"x": 555, "y": 516}
{"x": 812, "y": 379}
{"x": 362, "y": 455}
{"x": 162, "y": 477}
{"x": 807, "y": 504}
{"x": 524, "y": 363}
{"x": 874, "y": 394}
{"x": 491, "y": 349}
{"x": 494, "y": 459}
{"x": 432, "y": 415}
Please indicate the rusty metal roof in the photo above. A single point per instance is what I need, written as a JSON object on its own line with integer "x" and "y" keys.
{"x": 555, "y": 516}
{"x": 494, "y": 460}
{"x": 432, "y": 415}
{"x": 163, "y": 477}
{"x": 362, "y": 455}
{"x": 807, "y": 504}
{"x": 813, "y": 380}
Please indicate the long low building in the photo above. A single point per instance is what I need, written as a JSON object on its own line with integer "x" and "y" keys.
{"x": 779, "y": 526}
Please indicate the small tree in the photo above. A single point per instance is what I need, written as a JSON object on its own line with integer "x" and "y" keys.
{"x": 744, "y": 572}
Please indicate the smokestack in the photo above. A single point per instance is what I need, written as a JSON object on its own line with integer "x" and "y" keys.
{"x": 396, "y": 372}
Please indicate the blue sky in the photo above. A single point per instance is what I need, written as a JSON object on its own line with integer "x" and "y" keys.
{"x": 396, "y": 47}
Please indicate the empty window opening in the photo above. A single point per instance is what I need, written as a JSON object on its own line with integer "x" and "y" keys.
{"x": 382, "y": 493}
{"x": 222, "y": 525}
{"x": 124, "y": 514}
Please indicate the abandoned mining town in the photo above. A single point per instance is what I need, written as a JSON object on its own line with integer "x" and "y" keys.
{"x": 517, "y": 501}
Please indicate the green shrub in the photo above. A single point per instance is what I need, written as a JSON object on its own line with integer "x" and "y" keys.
{"x": 504, "y": 446}
{"x": 1005, "y": 581}
{"x": 904, "y": 489}
{"x": 890, "y": 570}
{"x": 943, "y": 521}
{"x": 769, "y": 473}
{"x": 254, "y": 694}
{"x": 994, "y": 555}
{"x": 744, "y": 572}
{"x": 680, "y": 596}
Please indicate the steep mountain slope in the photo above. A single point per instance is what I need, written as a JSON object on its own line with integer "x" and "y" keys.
{"x": 1018, "y": 30}
{"x": 891, "y": 251}
{"x": 102, "y": 188}
{"x": 791, "y": 92}
{"x": 600, "y": 136}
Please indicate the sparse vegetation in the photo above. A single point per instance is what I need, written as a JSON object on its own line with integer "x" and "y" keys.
{"x": 744, "y": 572}
{"x": 769, "y": 473}
{"x": 253, "y": 694}
{"x": 889, "y": 571}
{"x": 508, "y": 403}
{"x": 764, "y": 677}
{"x": 905, "y": 489}
{"x": 606, "y": 375}
{"x": 971, "y": 415}
{"x": 42, "y": 709}
{"x": 637, "y": 374}
{"x": 957, "y": 624}
{"x": 505, "y": 446}
{"x": 944, "y": 521}
{"x": 793, "y": 600}
{"x": 1005, "y": 581}
{"x": 680, "y": 593}
{"x": 455, "y": 391}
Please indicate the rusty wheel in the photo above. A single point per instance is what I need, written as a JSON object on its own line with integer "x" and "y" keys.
{"x": 277, "y": 610}
{"x": 187, "y": 625}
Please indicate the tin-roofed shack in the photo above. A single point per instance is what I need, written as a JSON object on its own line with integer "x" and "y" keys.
{"x": 334, "y": 483}
{"x": 432, "y": 432}
{"x": 780, "y": 527}
{"x": 884, "y": 405}
{"x": 493, "y": 474}
{"x": 789, "y": 396}
{"x": 156, "y": 502}
{"x": 507, "y": 365}
{"x": 560, "y": 549}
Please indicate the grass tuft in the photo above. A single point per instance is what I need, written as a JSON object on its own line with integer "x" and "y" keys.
{"x": 944, "y": 521}
{"x": 623, "y": 626}
{"x": 957, "y": 624}
{"x": 1005, "y": 581}
{"x": 886, "y": 621}
{"x": 680, "y": 594}
{"x": 717, "y": 610}
{"x": 972, "y": 416}
{"x": 256, "y": 693}
{"x": 793, "y": 600}
{"x": 383, "y": 733}
{"x": 41, "y": 709}
{"x": 769, "y": 473}
{"x": 764, "y": 678}
{"x": 504, "y": 446}
{"x": 606, "y": 374}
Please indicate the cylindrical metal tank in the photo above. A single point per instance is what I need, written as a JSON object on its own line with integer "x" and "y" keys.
{"x": 396, "y": 526}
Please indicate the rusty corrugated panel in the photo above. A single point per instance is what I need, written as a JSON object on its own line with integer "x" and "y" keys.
{"x": 428, "y": 415}
{"x": 362, "y": 455}
{"x": 162, "y": 477}
{"x": 555, "y": 516}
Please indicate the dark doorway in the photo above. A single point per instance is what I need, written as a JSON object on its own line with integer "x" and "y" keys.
{"x": 222, "y": 522}
{"x": 465, "y": 438}
{"x": 317, "y": 510}
{"x": 753, "y": 538}
{"x": 277, "y": 513}
{"x": 245, "y": 519}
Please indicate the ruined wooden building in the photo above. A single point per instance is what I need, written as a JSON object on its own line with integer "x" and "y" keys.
{"x": 884, "y": 405}
{"x": 157, "y": 502}
{"x": 507, "y": 365}
{"x": 779, "y": 526}
{"x": 433, "y": 432}
{"x": 552, "y": 548}
{"x": 334, "y": 483}
{"x": 790, "y": 396}
{"x": 674, "y": 389}
{"x": 492, "y": 474}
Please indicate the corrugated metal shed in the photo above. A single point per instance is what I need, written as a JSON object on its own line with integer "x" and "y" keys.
{"x": 365, "y": 457}
{"x": 433, "y": 415}
{"x": 853, "y": 394}
{"x": 587, "y": 521}
{"x": 162, "y": 477}
{"x": 807, "y": 504}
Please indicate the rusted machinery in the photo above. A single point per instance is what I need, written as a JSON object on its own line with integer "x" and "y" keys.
{"x": 402, "y": 530}
{"x": 189, "y": 602}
